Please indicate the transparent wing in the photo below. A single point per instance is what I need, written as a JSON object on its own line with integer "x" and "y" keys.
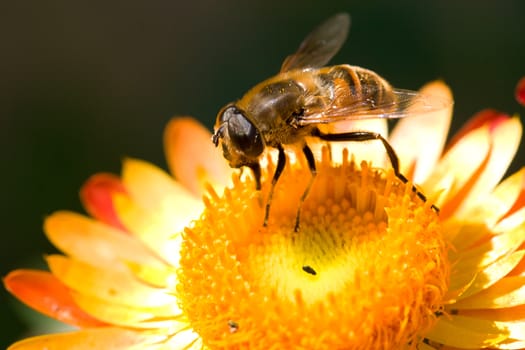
{"x": 320, "y": 45}
{"x": 406, "y": 103}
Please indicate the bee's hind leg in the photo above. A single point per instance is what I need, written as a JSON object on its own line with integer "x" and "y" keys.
{"x": 369, "y": 136}
{"x": 281, "y": 162}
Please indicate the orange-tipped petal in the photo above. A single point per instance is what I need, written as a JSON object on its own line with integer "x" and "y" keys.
{"x": 419, "y": 140}
{"x": 505, "y": 136}
{"x": 476, "y": 162}
{"x": 192, "y": 158}
{"x": 45, "y": 293}
{"x": 97, "y": 197}
{"x": 106, "y": 284}
{"x": 89, "y": 339}
{"x": 520, "y": 92}
{"x": 90, "y": 241}
{"x": 486, "y": 116}
{"x": 519, "y": 203}
{"x": 506, "y": 199}
{"x": 454, "y": 172}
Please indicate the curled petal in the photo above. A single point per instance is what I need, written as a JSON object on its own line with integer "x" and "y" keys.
{"x": 45, "y": 293}
{"x": 489, "y": 117}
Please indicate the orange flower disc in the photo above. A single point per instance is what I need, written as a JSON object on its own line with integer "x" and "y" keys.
{"x": 367, "y": 269}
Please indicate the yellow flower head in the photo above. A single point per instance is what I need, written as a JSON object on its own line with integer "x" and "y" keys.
{"x": 185, "y": 262}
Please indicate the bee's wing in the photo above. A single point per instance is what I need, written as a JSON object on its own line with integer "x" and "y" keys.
{"x": 406, "y": 103}
{"x": 320, "y": 45}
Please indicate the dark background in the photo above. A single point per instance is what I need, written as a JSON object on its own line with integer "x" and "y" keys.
{"x": 84, "y": 84}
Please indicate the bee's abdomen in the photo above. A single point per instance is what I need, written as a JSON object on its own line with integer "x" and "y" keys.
{"x": 351, "y": 84}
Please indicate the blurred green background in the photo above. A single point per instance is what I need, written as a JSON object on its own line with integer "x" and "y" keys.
{"x": 84, "y": 84}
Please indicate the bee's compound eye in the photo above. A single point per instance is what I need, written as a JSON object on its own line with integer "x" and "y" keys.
{"x": 243, "y": 134}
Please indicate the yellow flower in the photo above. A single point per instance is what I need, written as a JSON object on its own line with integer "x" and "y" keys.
{"x": 373, "y": 266}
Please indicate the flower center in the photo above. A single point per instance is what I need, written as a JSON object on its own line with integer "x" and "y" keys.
{"x": 366, "y": 270}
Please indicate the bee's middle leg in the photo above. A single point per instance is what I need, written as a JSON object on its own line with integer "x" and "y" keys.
{"x": 311, "y": 165}
{"x": 281, "y": 162}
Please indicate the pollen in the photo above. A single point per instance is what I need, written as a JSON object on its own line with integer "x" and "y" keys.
{"x": 367, "y": 268}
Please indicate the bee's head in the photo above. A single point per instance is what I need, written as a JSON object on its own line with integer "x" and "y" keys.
{"x": 241, "y": 141}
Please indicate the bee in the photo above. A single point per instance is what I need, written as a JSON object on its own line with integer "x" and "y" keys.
{"x": 288, "y": 107}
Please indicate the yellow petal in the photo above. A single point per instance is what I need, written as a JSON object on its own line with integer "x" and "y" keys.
{"x": 498, "y": 203}
{"x": 466, "y": 235}
{"x": 155, "y": 190}
{"x": 112, "y": 286}
{"x": 89, "y": 339}
{"x": 459, "y": 283}
{"x": 467, "y": 333}
{"x": 184, "y": 340}
{"x": 512, "y": 345}
{"x": 419, "y": 140}
{"x": 516, "y": 329}
{"x": 460, "y": 163}
{"x": 493, "y": 273}
{"x": 91, "y": 241}
{"x": 508, "y": 292}
{"x": 163, "y": 277}
{"x": 508, "y": 314}
{"x": 151, "y": 228}
{"x": 512, "y": 221}
{"x": 191, "y": 155}
{"x": 505, "y": 139}
{"x": 167, "y": 316}
{"x": 489, "y": 251}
